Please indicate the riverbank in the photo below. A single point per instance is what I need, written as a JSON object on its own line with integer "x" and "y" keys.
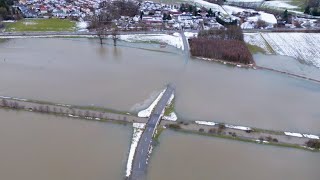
{"x": 245, "y": 134}
{"x": 73, "y": 111}
{"x": 220, "y": 130}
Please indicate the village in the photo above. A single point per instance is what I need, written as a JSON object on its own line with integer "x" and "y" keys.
{"x": 160, "y": 16}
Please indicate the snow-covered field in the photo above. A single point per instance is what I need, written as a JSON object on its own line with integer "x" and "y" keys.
{"x": 279, "y": 5}
{"x": 257, "y": 40}
{"x": 303, "y": 46}
{"x": 267, "y": 17}
{"x": 137, "y": 132}
{"x": 250, "y": 1}
{"x": 172, "y": 40}
{"x": 214, "y": 7}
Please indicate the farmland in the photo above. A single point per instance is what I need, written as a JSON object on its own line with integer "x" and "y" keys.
{"x": 302, "y": 46}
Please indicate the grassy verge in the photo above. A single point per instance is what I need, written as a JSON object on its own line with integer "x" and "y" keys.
{"x": 96, "y": 108}
{"x": 156, "y": 137}
{"x": 27, "y": 25}
{"x": 243, "y": 139}
{"x": 93, "y": 108}
{"x": 169, "y": 109}
{"x": 255, "y": 49}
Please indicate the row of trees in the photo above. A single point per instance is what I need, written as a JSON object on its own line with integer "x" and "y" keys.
{"x": 105, "y": 21}
{"x": 225, "y": 44}
{"x": 229, "y": 50}
{"x": 10, "y": 104}
{"x": 231, "y": 33}
{"x": 48, "y": 109}
{"x": 313, "y": 7}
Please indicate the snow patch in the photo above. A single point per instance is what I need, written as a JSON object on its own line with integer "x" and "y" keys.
{"x": 293, "y": 134}
{"x": 206, "y": 123}
{"x": 82, "y": 25}
{"x": 172, "y": 40}
{"x": 172, "y": 117}
{"x": 70, "y": 115}
{"x": 311, "y": 136}
{"x": 268, "y": 18}
{"x": 190, "y": 35}
{"x": 137, "y": 132}
{"x": 259, "y": 141}
{"x": 147, "y": 112}
{"x": 29, "y": 23}
{"x": 243, "y": 128}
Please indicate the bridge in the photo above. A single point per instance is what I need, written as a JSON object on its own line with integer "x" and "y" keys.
{"x": 140, "y": 161}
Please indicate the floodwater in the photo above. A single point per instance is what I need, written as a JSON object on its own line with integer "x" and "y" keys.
{"x": 287, "y": 64}
{"x": 38, "y": 147}
{"x": 80, "y": 71}
{"x": 190, "y": 157}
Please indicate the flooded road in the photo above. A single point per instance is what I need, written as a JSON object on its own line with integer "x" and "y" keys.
{"x": 38, "y": 147}
{"x": 189, "y": 157}
{"x": 81, "y": 72}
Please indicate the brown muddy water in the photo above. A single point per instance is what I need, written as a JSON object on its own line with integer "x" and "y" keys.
{"x": 190, "y": 157}
{"x": 80, "y": 71}
{"x": 42, "y": 147}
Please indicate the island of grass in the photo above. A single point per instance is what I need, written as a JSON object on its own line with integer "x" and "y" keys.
{"x": 169, "y": 109}
{"x": 40, "y": 25}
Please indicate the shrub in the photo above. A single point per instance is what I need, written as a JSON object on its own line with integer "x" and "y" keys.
{"x": 312, "y": 143}
{"x": 201, "y": 130}
{"x": 212, "y": 131}
{"x": 174, "y": 126}
{"x": 269, "y": 138}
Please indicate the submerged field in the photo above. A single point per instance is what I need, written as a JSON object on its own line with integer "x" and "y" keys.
{"x": 41, "y": 25}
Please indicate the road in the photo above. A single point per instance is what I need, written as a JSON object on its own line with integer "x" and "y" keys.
{"x": 140, "y": 161}
{"x": 185, "y": 44}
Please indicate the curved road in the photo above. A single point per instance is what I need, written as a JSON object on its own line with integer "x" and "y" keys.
{"x": 140, "y": 161}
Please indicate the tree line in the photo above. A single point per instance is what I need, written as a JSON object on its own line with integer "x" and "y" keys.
{"x": 312, "y": 7}
{"x": 105, "y": 23}
{"x": 225, "y": 44}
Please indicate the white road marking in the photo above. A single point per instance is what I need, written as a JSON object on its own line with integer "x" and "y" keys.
{"x": 139, "y": 165}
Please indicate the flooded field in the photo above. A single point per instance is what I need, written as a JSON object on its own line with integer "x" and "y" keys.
{"x": 81, "y": 72}
{"x": 288, "y": 64}
{"x": 189, "y": 157}
{"x": 38, "y": 147}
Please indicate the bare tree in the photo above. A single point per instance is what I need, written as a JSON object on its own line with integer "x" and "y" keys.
{"x": 115, "y": 34}
{"x": 4, "y": 103}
